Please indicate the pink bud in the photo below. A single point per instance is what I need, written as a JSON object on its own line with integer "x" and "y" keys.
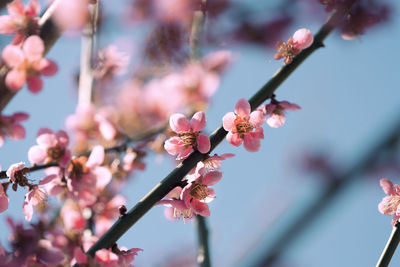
{"x": 303, "y": 38}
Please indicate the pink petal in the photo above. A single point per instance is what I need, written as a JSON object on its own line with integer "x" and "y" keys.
{"x": 7, "y": 25}
{"x": 172, "y": 145}
{"x": 200, "y": 208}
{"x": 268, "y": 109}
{"x": 16, "y": 7}
{"x": 211, "y": 178}
{"x": 44, "y": 131}
{"x": 96, "y": 158}
{"x": 251, "y": 143}
{"x": 103, "y": 177}
{"x": 203, "y": 143}
{"x": 185, "y": 153}
{"x": 387, "y": 187}
{"x": 28, "y": 210}
{"x": 62, "y": 138}
{"x": 384, "y": 206}
{"x": 37, "y": 155}
{"x": 15, "y": 79}
{"x": 20, "y": 116}
{"x": 228, "y": 121}
{"x": 3, "y": 200}
{"x": 179, "y": 123}
{"x": 46, "y": 140}
{"x": 242, "y": 108}
{"x": 13, "y": 55}
{"x": 47, "y": 67}
{"x": 35, "y": 84}
{"x": 17, "y": 132}
{"x": 289, "y": 106}
{"x": 33, "y": 48}
{"x": 257, "y": 118}
{"x": 107, "y": 130}
{"x": 209, "y": 84}
{"x": 33, "y": 8}
{"x": 276, "y": 120}
{"x": 234, "y": 139}
{"x": 303, "y": 38}
{"x": 174, "y": 193}
{"x": 198, "y": 121}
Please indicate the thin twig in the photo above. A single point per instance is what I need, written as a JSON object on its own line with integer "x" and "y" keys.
{"x": 171, "y": 180}
{"x": 88, "y": 44}
{"x": 326, "y": 197}
{"x": 49, "y": 33}
{"x": 203, "y": 250}
{"x": 390, "y": 248}
{"x": 3, "y": 174}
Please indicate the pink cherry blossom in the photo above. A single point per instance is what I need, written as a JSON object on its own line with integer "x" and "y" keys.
{"x": 244, "y": 127}
{"x": 27, "y": 64}
{"x": 21, "y": 20}
{"x": 10, "y": 126}
{"x": 35, "y": 197}
{"x": 72, "y": 217}
{"x": 390, "y": 204}
{"x": 3, "y": 199}
{"x": 218, "y": 61}
{"x": 173, "y": 201}
{"x": 86, "y": 178}
{"x": 52, "y": 147}
{"x": 188, "y": 135}
{"x": 13, "y": 172}
{"x": 72, "y": 14}
{"x": 275, "y": 111}
{"x": 111, "y": 61}
{"x": 303, "y": 38}
{"x": 196, "y": 194}
{"x": 87, "y": 123}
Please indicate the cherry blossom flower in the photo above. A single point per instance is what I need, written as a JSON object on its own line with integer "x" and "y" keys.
{"x": 21, "y": 20}
{"x": 72, "y": 217}
{"x": 196, "y": 194}
{"x": 11, "y": 127}
{"x": 188, "y": 135}
{"x": 301, "y": 39}
{"x": 72, "y": 14}
{"x": 27, "y": 64}
{"x": 244, "y": 127}
{"x": 107, "y": 211}
{"x": 174, "y": 203}
{"x": 110, "y": 62}
{"x": 52, "y": 147}
{"x": 13, "y": 172}
{"x": 86, "y": 178}
{"x": 35, "y": 197}
{"x": 89, "y": 123}
{"x": 390, "y": 204}
{"x": 3, "y": 199}
{"x": 275, "y": 110}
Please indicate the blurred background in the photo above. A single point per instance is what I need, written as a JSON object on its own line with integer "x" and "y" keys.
{"x": 349, "y": 97}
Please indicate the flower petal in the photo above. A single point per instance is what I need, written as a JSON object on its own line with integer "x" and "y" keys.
{"x": 387, "y": 187}
{"x": 37, "y": 155}
{"x": 198, "y": 121}
{"x": 276, "y": 120}
{"x": 15, "y": 79}
{"x": 228, "y": 121}
{"x": 234, "y": 139}
{"x": 242, "y": 108}
{"x": 179, "y": 123}
{"x": 257, "y": 118}
{"x": 251, "y": 143}
{"x": 33, "y": 48}
{"x": 96, "y": 158}
{"x": 203, "y": 143}
{"x": 211, "y": 178}
{"x": 35, "y": 84}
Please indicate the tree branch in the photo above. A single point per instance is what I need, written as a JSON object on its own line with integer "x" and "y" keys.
{"x": 171, "y": 180}
{"x": 390, "y": 248}
{"x": 203, "y": 252}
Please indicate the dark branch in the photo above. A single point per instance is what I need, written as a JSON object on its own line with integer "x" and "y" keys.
{"x": 390, "y": 248}
{"x": 203, "y": 251}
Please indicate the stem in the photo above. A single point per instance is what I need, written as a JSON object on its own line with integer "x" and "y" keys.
{"x": 49, "y": 33}
{"x": 3, "y": 174}
{"x": 203, "y": 252}
{"x": 326, "y": 197}
{"x": 198, "y": 19}
{"x": 171, "y": 180}
{"x": 88, "y": 43}
{"x": 390, "y": 248}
